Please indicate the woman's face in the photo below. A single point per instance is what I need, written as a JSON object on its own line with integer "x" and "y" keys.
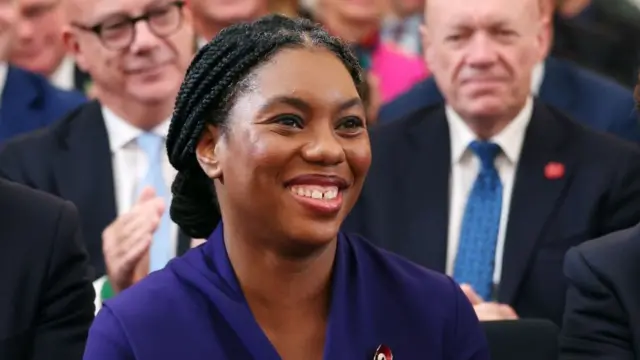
{"x": 293, "y": 158}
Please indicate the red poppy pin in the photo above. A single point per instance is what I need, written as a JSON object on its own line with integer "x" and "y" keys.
{"x": 554, "y": 170}
{"x": 383, "y": 353}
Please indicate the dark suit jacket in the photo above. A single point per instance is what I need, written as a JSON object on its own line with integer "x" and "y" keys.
{"x": 602, "y": 315}
{"x": 46, "y": 307}
{"x": 585, "y": 96}
{"x": 601, "y": 40}
{"x": 530, "y": 339}
{"x": 72, "y": 159}
{"x": 404, "y": 206}
{"x": 30, "y": 102}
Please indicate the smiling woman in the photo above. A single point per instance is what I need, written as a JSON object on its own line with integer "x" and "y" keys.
{"x": 271, "y": 156}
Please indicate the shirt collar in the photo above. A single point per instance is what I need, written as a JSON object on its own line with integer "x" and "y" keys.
{"x": 64, "y": 74}
{"x": 537, "y": 75}
{"x": 121, "y": 132}
{"x": 510, "y": 139}
{"x": 4, "y": 70}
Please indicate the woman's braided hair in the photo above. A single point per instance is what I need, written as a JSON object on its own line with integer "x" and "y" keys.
{"x": 218, "y": 73}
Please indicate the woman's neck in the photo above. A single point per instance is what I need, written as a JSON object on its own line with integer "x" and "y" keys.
{"x": 351, "y": 32}
{"x": 278, "y": 283}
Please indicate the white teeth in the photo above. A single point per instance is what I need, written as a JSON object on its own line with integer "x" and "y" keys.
{"x": 316, "y": 192}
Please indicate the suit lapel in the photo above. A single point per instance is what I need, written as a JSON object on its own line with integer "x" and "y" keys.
{"x": 427, "y": 177}
{"x": 534, "y": 196}
{"x": 19, "y": 105}
{"x": 84, "y": 174}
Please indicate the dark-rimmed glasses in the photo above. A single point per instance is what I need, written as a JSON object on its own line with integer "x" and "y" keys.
{"x": 118, "y": 32}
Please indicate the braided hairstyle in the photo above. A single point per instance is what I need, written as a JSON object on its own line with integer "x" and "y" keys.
{"x": 219, "y": 73}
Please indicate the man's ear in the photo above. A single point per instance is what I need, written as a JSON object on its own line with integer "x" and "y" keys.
{"x": 208, "y": 151}
{"x": 425, "y": 36}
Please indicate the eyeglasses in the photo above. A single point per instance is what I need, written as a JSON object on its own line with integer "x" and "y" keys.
{"x": 118, "y": 32}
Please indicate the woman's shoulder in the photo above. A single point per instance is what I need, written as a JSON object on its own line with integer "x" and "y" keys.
{"x": 401, "y": 273}
{"x": 154, "y": 294}
{"x": 161, "y": 294}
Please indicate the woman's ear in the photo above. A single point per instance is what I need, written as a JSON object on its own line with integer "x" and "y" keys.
{"x": 208, "y": 151}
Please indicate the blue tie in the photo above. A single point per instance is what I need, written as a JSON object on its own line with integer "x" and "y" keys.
{"x": 160, "y": 253}
{"x": 477, "y": 247}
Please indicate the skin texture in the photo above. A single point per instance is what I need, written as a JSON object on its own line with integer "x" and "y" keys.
{"x": 211, "y": 16}
{"x": 39, "y": 46}
{"x": 289, "y": 122}
{"x": 8, "y": 21}
{"x": 482, "y": 55}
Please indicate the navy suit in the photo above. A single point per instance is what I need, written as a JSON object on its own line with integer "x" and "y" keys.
{"x": 602, "y": 314}
{"x": 404, "y": 206}
{"x": 30, "y": 102}
{"x": 585, "y": 96}
{"x": 72, "y": 159}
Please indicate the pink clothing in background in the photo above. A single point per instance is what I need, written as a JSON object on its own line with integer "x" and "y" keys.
{"x": 396, "y": 70}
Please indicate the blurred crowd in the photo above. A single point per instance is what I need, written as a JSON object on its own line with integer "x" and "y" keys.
{"x": 88, "y": 88}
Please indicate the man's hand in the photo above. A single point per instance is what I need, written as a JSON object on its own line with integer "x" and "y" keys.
{"x": 488, "y": 311}
{"x": 126, "y": 241}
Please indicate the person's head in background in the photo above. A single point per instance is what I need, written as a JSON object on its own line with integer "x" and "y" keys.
{"x": 211, "y": 16}
{"x": 39, "y": 46}
{"x": 136, "y": 52}
{"x": 8, "y": 19}
{"x": 269, "y": 133}
{"x": 406, "y": 8}
{"x": 351, "y": 20}
{"x": 289, "y": 8}
{"x": 570, "y": 8}
{"x": 482, "y": 53}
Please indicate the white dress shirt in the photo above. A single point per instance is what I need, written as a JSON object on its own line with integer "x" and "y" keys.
{"x": 537, "y": 76}
{"x": 4, "y": 69}
{"x": 464, "y": 170}
{"x": 130, "y": 163}
{"x": 64, "y": 76}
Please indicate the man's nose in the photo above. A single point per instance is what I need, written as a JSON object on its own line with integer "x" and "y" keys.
{"x": 481, "y": 50}
{"x": 144, "y": 38}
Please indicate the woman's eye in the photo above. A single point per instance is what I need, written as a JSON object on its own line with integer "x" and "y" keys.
{"x": 290, "y": 120}
{"x": 351, "y": 123}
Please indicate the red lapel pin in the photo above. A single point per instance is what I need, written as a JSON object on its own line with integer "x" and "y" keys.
{"x": 383, "y": 353}
{"x": 554, "y": 170}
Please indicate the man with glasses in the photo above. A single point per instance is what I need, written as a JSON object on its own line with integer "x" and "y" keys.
{"x": 107, "y": 156}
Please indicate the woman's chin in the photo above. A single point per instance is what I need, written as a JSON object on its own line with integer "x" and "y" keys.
{"x": 311, "y": 238}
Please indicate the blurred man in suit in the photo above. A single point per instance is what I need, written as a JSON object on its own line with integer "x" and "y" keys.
{"x": 211, "y": 16}
{"x": 602, "y": 35}
{"x": 39, "y": 46}
{"x": 28, "y": 101}
{"x": 602, "y": 314}
{"x": 106, "y": 157}
{"x": 46, "y": 307}
{"x": 494, "y": 187}
{"x": 587, "y": 97}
